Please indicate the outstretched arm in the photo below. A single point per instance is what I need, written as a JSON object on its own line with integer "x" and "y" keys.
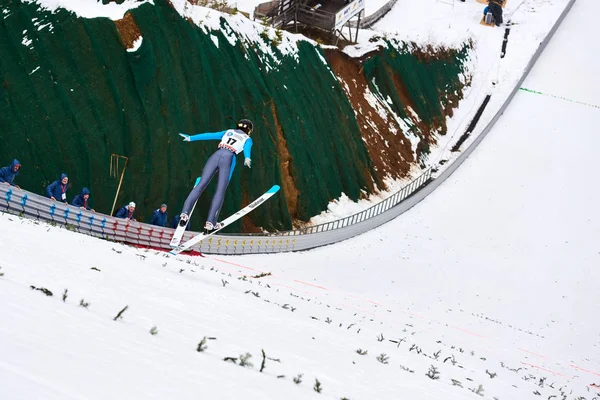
{"x": 248, "y": 152}
{"x": 203, "y": 136}
{"x": 248, "y": 148}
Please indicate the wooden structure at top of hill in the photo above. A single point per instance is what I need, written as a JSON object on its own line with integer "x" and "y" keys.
{"x": 327, "y": 15}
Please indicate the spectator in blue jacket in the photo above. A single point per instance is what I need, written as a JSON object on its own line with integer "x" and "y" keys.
{"x": 127, "y": 212}
{"x": 57, "y": 190}
{"x": 82, "y": 200}
{"x": 8, "y": 174}
{"x": 159, "y": 216}
{"x": 175, "y": 222}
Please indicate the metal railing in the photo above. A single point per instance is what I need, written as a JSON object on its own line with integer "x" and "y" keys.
{"x": 33, "y": 206}
{"x": 370, "y": 212}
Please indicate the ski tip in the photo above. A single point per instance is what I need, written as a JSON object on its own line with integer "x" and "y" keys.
{"x": 274, "y": 189}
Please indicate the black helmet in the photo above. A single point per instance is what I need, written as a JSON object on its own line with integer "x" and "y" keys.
{"x": 245, "y": 125}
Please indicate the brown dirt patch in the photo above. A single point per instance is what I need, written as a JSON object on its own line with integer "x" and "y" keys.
{"x": 247, "y": 225}
{"x": 285, "y": 167}
{"x": 390, "y": 153}
{"x": 448, "y": 101}
{"x": 128, "y": 30}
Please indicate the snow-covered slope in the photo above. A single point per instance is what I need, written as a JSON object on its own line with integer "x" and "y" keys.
{"x": 437, "y": 23}
{"x": 492, "y": 280}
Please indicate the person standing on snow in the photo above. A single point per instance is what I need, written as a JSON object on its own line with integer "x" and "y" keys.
{"x": 233, "y": 142}
{"x": 57, "y": 190}
{"x": 8, "y": 174}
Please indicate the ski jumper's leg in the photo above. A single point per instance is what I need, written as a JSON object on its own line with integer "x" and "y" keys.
{"x": 222, "y": 182}
{"x": 232, "y": 168}
{"x": 208, "y": 172}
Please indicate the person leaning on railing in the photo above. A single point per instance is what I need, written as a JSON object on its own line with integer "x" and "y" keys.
{"x": 57, "y": 190}
{"x": 127, "y": 212}
{"x": 8, "y": 174}
{"x": 82, "y": 200}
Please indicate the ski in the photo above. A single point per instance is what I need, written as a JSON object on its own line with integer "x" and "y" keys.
{"x": 181, "y": 226}
{"x": 227, "y": 221}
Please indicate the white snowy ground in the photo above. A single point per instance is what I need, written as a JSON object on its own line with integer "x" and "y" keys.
{"x": 497, "y": 271}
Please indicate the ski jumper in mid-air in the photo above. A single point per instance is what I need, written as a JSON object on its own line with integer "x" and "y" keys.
{"x": 233, "y": 142}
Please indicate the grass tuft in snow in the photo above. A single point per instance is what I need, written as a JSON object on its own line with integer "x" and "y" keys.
{"x": 383, "y": 358}
{"x": 65, "y": 295}
{"x": 264, "y": 360}
{"x": 1, "y": 273}
{"x": 202, "y": 345}
{"x": 456, "y": 383}
{"x": 262, "y": 275}
{"x": 479, "y": 390}
{"x": 120, "y": 314}
{"x": 298, "y": 379}
{"x": 244, "y": 360}
{"x": 451, "y": 359}
{"x": 402, "y": 367}
{"x": 362, "y": 352}
{"x": 42, "y": 289}
{"x": 515, "y": 370}
{"x": 154, "y": 331}
{"x": 491, "y": 374}
{"x": 433, "y": 373}
{"x": 380, "y": 338}
{"x": 83, "y": 303}
{"x": 398, "y": 342}
{"x": 317, "y": 387}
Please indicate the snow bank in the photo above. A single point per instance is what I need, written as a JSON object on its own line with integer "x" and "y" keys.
{"x": 91, "y": 8}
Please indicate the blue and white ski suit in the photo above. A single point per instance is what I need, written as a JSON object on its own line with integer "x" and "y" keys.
{"x": 233, "y": 141}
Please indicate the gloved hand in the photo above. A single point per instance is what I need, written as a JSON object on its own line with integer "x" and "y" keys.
{"x": 247, "y": 162}
{"x": 186, "y": 138}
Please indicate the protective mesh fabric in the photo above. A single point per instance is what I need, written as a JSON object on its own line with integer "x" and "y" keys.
{"x": 90, "y": 98}
{"x": 429, "y": 78}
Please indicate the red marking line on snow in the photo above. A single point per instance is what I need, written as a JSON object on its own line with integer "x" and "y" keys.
{"x": 310, "y": 284}
{"x": 585, "y": 370}
{"x": 531, "y": 352}
{"x": 543, "y": 369}
{"x": 234, "y": 264}
{"x": 466, "y": 331}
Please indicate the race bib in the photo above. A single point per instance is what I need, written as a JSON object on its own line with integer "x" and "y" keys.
{"x": 64, "y": 196}
{"x": 234, "y": 141}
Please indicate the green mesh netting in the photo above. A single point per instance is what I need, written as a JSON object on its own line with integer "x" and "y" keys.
{"x": 73, "y": 96}
{"x": 428, "y": 80}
